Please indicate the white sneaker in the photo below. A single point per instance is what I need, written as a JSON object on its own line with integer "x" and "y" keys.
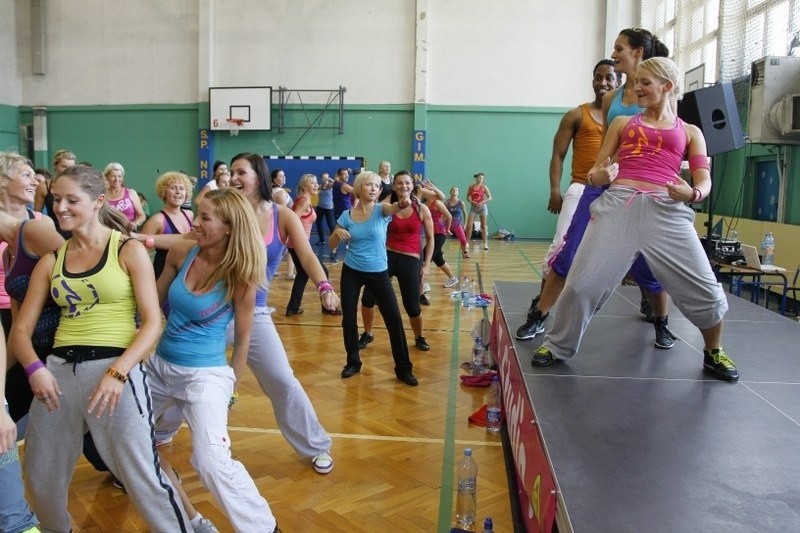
{"x": 205, "y": 526}
{"x": 426, "y": 287}
{"x": 323, "y": 463}
{"x": 450, "y": 283}
{"x": 485, "y": 246}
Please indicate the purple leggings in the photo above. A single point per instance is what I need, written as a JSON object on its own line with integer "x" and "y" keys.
{"x": 562, "y": 261}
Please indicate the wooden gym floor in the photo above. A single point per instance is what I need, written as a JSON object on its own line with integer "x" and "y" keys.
{"x": 394, "y": 446}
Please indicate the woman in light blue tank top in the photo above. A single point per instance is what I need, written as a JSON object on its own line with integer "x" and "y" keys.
{"x": 207, "y": 284}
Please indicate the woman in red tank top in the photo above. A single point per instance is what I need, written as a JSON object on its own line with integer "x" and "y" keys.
{"x": 408, "y": 261}
{"x": 478, "y": 195}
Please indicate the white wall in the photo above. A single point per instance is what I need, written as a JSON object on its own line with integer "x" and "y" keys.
{"x": 10, "y": 84}
{"x": 523, "y": 53}
{"x": 510, "y": 53}
{"x": 113, "y": 52}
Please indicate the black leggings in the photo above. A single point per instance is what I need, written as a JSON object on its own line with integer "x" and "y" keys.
{"x": 438, "y": 245}
{"x": 406, "y": 269}
{"x": 300, "y": 281}
{"x": 380, "y": 286}
{"x": 324, "y": 215}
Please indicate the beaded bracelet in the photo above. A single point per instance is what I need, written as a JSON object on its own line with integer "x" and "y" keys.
{"x": 116, "y": 374}
{"x": 697, "y": 195}
{"x": 33, "y": 367}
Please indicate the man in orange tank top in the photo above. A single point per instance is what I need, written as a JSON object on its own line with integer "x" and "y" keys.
{"x": 582, "y": 126}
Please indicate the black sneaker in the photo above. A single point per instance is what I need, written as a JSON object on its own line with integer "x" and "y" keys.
{"x": 365, "y": 339}
{"x": 720, "y": 364}
{"x": 350, "y": 370}
{"x": 646, "y": 309}
{"x": 534, "y": 305}
{"x": 665, "y": 339}
{"x": 408, "y": 379}
{"x": 543, "y": 357}
{"x": 534, "y": 324}
{"x": 423, "y": 299}
{"x": 422, "y": 344}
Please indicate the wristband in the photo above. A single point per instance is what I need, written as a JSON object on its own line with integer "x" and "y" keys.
{"x": 33, "y": 367}
{"x": 149, "y": 243}
{"x": 698, "y": 161}
{"x": 324, "y": 286}
{"x": 697, "y": 195}
{"x": 116, "y": 374}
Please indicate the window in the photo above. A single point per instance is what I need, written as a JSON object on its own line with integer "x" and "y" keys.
{"x": 725, "y": 35}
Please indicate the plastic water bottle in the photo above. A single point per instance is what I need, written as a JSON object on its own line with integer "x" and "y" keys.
{"x": 488, "y": 525}
{"x": 464, "y": 291}
{"x": 479, "y": 362}
{"x": 733, "y": 235}
{"x": 768, "y": 249}
{"x": 466, "y": 499}
{"x": 493, "y": 406}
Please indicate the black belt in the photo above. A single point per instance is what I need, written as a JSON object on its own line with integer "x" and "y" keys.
{"x": 79, "y": 354}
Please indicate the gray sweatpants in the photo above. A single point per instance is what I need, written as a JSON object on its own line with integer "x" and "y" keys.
{"x": 125, "y": 441}
{"x": 626, "y": 223}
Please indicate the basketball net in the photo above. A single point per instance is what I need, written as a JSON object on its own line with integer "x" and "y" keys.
{"x": 234, "y": 125}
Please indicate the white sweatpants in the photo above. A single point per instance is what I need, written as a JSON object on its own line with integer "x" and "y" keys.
{"x": 568, "y": 206}
{"x": 202, "y": 395}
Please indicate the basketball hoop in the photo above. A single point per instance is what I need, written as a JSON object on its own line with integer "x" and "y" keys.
{"x": 234, "y": 125}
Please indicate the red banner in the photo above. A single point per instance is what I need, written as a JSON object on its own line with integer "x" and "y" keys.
{"x": 535, "y": 480}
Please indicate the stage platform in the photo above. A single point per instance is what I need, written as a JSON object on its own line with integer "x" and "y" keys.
{"x": 627, "y": 437}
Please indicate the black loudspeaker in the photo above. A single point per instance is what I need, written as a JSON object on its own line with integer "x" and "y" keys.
{"x": 713, "y": 110}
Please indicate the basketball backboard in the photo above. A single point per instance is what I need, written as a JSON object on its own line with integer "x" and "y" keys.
{"x": 250, "y": 105}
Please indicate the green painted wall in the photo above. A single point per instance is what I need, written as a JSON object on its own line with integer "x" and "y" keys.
{"x": 9, "y": 128}
{"x": 511, "y": 145}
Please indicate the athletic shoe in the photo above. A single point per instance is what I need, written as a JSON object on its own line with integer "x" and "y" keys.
{"x": 323, "y": 463}
{"x": 350, "y": 371}
{"x": 165, "y": 441}
{"x": 422, "y": 344}
{"x": 365, "y": 339}
{"x": 292, "y": 312}
{"x": 408, "y": 379}
{"x": 205, "y": 526}
{"x": 116, "y": 482}
{"x": 485, "y": 246}
{"x": 424, "y": 300}
{"x": 720, "y": 364}
{"x": 646, "y": 309}
{"x": 534, "y": 324}
{"x": 426, "y": 287}
{"x": 450, "y": 283}
{"x": 543, "y": 357}
{"x": 664, "y": 337}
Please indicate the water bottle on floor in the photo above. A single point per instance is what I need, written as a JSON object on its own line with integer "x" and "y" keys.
{"x": 768, "y": 249}
{"x": 479, "y": 362}
{"x": 466, "y": 498}
{"x": 488, "y": 525}
{"x": 493, "y": 406}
